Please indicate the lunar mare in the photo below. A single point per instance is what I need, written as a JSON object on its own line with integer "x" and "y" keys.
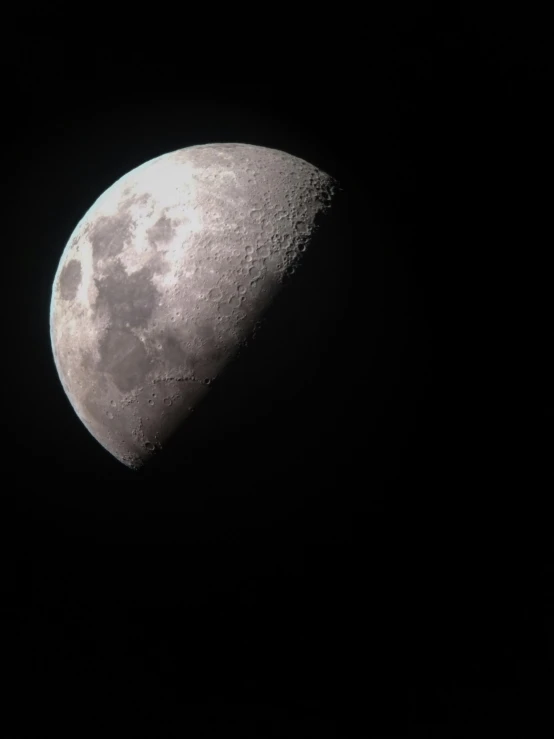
{"x": 166, "y": 275}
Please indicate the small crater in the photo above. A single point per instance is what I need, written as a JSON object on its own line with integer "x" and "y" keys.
{"x": 150, "y": 446}
{"x": 150, "y": 402}
{"x": 112, "y": 403}
{"x": 167, "y": 401}
{"x": 215, "y": 294}
{"x": 109, "y": 414}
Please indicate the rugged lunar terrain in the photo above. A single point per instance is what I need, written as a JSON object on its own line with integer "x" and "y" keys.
{"x": 166, "y": 275}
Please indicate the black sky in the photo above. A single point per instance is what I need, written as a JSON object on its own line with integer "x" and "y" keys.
{"x": 368, "y": 561}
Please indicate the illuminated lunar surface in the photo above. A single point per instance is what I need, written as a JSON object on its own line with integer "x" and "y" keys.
{"x": 165, "y": 277}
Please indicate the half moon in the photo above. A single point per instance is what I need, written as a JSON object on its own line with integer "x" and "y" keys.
{"x": 165, "y": 277}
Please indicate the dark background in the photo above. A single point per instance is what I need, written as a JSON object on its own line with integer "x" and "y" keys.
{"x": 381, "y": 566}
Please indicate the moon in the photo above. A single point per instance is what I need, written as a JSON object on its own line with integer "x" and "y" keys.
{"x": 167, "y": 275}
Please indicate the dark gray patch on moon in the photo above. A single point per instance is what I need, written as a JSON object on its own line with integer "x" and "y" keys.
{"x": 70, "y": 279}
{"x": 129, "y": 299}
{"x": 123, "y": 356}
{"x": 172, "y": 352}
{"x": 109, "y": 234}
{"x": 162, "y": 231}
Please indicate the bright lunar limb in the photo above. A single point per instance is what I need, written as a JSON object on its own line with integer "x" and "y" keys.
{"x": 165, "y": 277}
